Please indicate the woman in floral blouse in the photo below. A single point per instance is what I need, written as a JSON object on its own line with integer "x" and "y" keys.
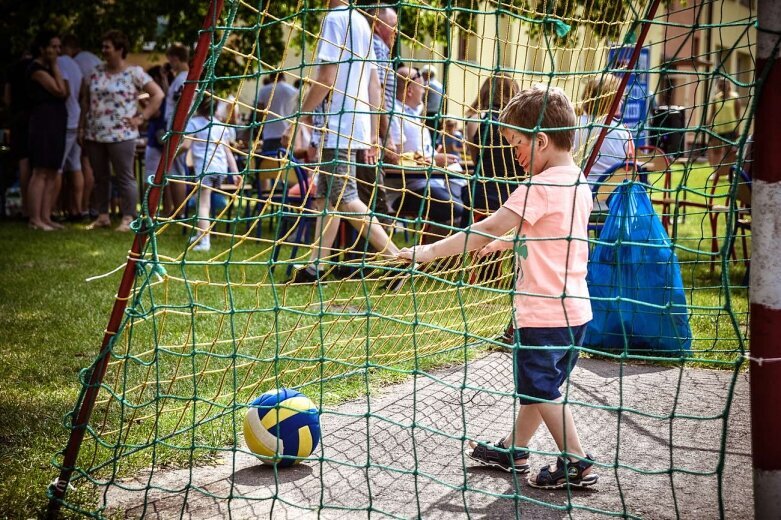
{"x": 109, "y": 125}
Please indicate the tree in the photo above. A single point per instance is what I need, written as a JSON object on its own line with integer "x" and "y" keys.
{"x": 162, "y": 21}
{"x": 165, "y": 21}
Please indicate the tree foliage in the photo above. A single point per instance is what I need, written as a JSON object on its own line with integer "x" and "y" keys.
{"x": 162, "y": 21}
{"x": 165, "y": 21}
{"x": 430, "y": 18}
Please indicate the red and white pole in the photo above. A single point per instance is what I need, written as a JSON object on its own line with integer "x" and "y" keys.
{"x": 765, "y": 294}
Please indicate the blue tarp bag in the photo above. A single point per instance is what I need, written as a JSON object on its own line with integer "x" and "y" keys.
{"x": 635, "y": 283}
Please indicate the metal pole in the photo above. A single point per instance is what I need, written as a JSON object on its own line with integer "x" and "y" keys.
{"x": 624, "y": 80}
{"x": 89, "y": 396}
{"x": 765, "y": 294}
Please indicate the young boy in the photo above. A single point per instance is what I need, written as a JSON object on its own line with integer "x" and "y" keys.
{"x": 548, "y": 216}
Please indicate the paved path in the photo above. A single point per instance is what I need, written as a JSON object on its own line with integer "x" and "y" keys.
{"x": 645, "y": 445}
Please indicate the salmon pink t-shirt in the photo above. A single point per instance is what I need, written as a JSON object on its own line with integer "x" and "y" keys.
{"x": 551, "y": 250}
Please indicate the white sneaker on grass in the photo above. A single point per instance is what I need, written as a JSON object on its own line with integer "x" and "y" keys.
{"x": 203, "y": 245}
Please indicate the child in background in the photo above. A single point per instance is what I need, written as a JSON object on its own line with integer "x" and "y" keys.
{"x": 548, "y": 215}
{"x": 207, "y": 139}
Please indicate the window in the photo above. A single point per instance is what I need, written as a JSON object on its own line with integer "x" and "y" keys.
{"x": 467, "y": 46}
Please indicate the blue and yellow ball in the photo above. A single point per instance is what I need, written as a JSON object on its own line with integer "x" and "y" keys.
{"x": 282, "y": 426}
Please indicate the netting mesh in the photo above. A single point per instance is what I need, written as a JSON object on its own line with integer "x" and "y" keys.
{"x": 406, "y": 363}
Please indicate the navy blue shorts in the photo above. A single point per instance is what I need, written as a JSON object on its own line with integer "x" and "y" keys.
{"x": 543, "y": 368}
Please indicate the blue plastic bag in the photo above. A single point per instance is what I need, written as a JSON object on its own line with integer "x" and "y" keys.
{"x": 635, "y": 282}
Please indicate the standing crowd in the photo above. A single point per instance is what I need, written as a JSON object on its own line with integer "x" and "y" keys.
{"x": 75, "y": 131}
{"x": 75, "y": 120}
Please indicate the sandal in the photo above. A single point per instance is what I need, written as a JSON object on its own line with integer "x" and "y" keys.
{"x": 497, "y": 456}
{"x": 568, "y": 473}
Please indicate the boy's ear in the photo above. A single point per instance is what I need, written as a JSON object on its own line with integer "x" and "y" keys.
{"x": 543, "y": 140}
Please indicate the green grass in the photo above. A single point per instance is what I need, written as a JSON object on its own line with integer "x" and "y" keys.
{"x": 242, "y": 336}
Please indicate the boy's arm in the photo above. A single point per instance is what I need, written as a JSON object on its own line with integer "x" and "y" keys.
{"x": 476, "y": 236}
{"x": 500, "y": 244}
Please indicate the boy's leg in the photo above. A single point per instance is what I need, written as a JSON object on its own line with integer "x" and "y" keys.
{"x": 540, "y": 372}
{"x": 575, "y": 466}
{"x": 527, "y": 421}
{"x": 561, "y": 425}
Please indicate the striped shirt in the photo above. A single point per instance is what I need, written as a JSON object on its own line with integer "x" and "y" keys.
{"x": 385, "y": 71}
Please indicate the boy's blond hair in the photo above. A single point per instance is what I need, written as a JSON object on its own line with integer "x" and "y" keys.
{"x": 598, "y": 95}
{"x": 548, "y": 107}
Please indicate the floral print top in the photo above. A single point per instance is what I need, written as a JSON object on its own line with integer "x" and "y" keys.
{"x": 113, "y": 100}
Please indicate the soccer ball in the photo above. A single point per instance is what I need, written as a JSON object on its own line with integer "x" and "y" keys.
{"x": 282, "y": 427}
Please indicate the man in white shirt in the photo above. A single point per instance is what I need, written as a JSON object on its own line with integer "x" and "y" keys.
{"x": 371, "y": 181}
{"x": 433, "y": 99}
{"x": 436, "y": 199}
{"x": 277, "y": 102}
{"x": 178, "y": 57}
{"x": 347, "y": 85}
{"x": 87, "y": 62}
{"x": 71, "y": 162}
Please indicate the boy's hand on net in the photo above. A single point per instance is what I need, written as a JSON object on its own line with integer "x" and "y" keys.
{"x": 418, "y": 254}
{"x": 491, "y": 248}
{"x": 406, "y": 254}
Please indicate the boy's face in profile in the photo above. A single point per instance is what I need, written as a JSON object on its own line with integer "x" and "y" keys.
{"x": 522, "y": 146}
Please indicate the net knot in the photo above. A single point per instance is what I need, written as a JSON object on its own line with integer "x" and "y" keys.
{"x": 151, "y": 182}
{"x": 138, "y": 224}
{"x": 560, "y": 28}
{"x": 155, "y": 267}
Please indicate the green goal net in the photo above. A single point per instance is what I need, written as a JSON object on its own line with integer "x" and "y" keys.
{"x": 405, "y": 364}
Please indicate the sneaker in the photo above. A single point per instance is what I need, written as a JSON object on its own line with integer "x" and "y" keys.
{"x": 203, "y": 245}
